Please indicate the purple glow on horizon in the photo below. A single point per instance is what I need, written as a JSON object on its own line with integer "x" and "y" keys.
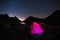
{"x": 36, "y": 28}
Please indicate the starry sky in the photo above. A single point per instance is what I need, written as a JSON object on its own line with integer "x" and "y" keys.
{"x": 25, "y": 8}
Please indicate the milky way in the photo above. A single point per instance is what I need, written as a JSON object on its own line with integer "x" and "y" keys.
{"x": 24, "y": 8}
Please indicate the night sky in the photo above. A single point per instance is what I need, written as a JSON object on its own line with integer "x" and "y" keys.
{"x": 25, "y": 8}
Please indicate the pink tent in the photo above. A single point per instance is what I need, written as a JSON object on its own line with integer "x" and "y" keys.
{"x": 36, "y": 29}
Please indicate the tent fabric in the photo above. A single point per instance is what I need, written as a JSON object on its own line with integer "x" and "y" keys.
{"x": 36, "y": 28}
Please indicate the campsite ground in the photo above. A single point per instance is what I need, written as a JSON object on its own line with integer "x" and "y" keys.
{"x": 52, "y": 33}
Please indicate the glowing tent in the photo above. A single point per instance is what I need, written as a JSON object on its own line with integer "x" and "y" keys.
{"x": 36, "y": 29}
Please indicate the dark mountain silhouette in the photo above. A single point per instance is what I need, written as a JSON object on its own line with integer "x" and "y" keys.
{"x": 9, "y": 27}
{"x": 53, "y": 24}
{"x": 12, "y": 29}
{"x": 54, "y": 18}
{"x": 31, "y": 19}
